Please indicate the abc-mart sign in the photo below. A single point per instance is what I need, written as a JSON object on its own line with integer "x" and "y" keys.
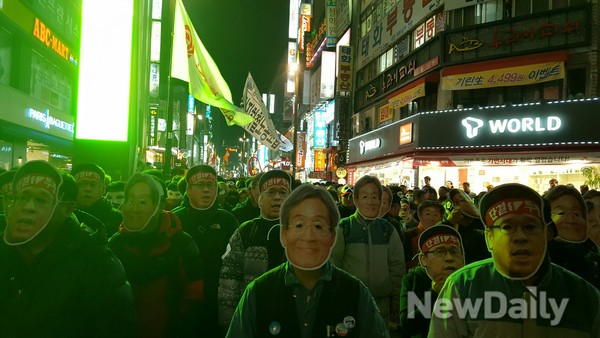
{"x": 550, "y": 124}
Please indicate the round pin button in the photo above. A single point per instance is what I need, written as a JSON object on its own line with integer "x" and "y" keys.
{"x": 274, "y": 328}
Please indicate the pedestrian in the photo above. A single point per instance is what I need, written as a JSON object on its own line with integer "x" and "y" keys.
{"x": 162, "y": 263}
{"x": 346, "y": 206}
{"x": 210, "y": 227}
{"x": 430, "y": 213}
{"x": 57, "y": 277}
{"x": 440, "y": 254}
{"x": 249, "y": 209}
{"x": 370, "y": 248}
{"x": 90, "y": 180}
{"x": 254, "y": 247}
{"x": 307, "y": 295}
{"x": 520, "y": 276}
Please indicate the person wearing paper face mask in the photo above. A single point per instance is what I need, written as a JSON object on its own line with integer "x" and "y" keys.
{"x": 440, "y": 254}
{"x": 90, "y": 179}
{"x": 254, "y": 247}
{"x": 572, "y": 248}
{"x": 519, "y": 272}
{"x": 210, "y": 227}
{"x": 332, "y": 302}
{"x": 162, "y": 263}
{"x": 174, "y": 197}
{"x": 57, "y": 277}
{"x": 370, "y": 248}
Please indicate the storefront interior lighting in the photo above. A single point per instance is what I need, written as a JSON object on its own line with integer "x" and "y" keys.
{"x": 477, "y": 163}
{"x": 578, "y": 161}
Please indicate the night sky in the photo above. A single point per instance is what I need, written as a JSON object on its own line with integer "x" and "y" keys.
{"x": 241, "y": 36}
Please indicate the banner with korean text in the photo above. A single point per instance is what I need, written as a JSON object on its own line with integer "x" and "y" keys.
{"x": 262, "y": 127}
{"x": 405, "y": 97}
{"x": 503, "y": 77}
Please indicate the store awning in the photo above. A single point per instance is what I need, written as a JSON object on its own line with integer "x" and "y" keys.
{"x": 514, "y": 71}
{"x": 412, "y": 91}
{"x": 506, "y": 159}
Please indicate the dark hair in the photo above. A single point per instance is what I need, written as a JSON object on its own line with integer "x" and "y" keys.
{"x": 591, "y": 194}
{"x": 89, "y": 167}
{"x": 68, "y": 189}
{"x": 256, "y": 180}
{"x": 303, "y": 192}
{"x": 116, "y": 186}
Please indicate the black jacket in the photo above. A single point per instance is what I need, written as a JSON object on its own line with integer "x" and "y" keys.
{"x": 74, "y": 288}
{"x": 104, "y": 211}
{"x": 245, "y": 211}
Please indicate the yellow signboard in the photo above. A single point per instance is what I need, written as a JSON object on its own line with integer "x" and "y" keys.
{"x": 503, "y": 77}
{"x": 407, "y": 96}
{"x": 385, "y": 113}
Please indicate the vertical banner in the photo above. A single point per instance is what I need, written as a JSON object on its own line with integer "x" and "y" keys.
{"x": 300, "y": 150}
{"x": 331, "y": 37}
{"x": 319, "y": 160}
{"x": 320, "y": 129}
{"x": 305, "y": 13}
{"x": 344, "y": 80}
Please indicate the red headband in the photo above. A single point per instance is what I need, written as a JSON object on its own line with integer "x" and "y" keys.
{"x": 439, "y": 239}
{"x": 275, "y": 181}
{"x": 87, "y": 175}
{"x": 201, "y": 176}
{"x": 37, "y": 181}
{"x": 512, "y": 206}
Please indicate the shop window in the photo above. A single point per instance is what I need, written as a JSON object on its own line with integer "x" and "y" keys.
{"x": 6, "y": 154}
{"x": 469, "y": 18}
{"x": 576, "y": 82}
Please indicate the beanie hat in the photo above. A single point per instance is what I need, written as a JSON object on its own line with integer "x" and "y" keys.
{"x": 439, "y": 234}
{"x": 275, "y": 178}
{"x": 511, "y": 199}
{"x": 39, "y": 174}
{"x": 200, "y": 172}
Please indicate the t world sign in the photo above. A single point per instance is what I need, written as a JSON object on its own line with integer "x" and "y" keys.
{"x": 474, "y": 126}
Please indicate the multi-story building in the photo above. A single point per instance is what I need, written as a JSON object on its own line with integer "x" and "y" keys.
{"x": 470, "y": 91}
{"x": 39, "y": 60}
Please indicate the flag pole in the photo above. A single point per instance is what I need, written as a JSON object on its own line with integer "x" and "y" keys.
{"x": 168, "y": 20}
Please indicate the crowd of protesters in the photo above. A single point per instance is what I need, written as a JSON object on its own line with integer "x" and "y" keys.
{"x": 197, "y": 255}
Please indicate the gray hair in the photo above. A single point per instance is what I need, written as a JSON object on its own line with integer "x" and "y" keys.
{"x": 156, "y": 188}
{"x": 366, "y": 180}
{"x": 306, "y": 191}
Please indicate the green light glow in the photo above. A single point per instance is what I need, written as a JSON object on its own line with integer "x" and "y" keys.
{"x": 105, "y": 70}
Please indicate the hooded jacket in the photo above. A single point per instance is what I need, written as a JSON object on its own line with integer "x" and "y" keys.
{"x": 76, "y": 287}
{"x": 166, "y": 275}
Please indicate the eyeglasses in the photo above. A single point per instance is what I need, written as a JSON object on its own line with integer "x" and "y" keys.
{"x": 272, "y": 192}
{"x": 203, "y": 185}
{"x": 442, "y": 253}
{"x": 40, "y": 200}
{"x": 528, "y": 229}
{"x": 318, "y": 229}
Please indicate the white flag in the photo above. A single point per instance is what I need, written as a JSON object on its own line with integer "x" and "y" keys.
{"x": 192, "y": 63}
{"x": 262, "y": 128}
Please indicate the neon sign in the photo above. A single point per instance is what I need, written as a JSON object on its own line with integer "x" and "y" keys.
{"x": 514, "y": 125}
{"x": 44, "y": 34}
{"x": 49, "y": 121}
{"x": 369, "y": 145}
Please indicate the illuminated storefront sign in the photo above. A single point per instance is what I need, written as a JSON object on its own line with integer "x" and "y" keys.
{"x": 405, "y": 133}
{"x": 319, "y": 160}
{"x": 366, "y": 146}
{"x": 48, "y": 120}
{"x": 45, "y": 35}
{"x": 320, "y": 131}
{"x": 474, "y": 125}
